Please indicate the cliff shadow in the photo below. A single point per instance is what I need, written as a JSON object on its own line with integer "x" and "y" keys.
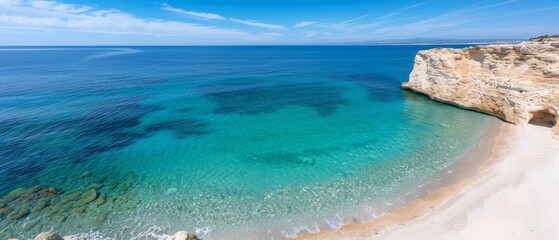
{"x": 543, "y": 118}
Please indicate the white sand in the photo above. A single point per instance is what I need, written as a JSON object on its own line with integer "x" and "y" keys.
{"x": 515, "y": 197}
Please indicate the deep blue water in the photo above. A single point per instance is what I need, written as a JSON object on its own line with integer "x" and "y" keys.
{"x": 140, "y": 142}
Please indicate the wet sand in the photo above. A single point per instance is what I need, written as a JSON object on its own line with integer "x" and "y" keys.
{"x": 507, "y": 188}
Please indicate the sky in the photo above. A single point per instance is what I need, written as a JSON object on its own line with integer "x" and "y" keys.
{"x": 263, "y": 22}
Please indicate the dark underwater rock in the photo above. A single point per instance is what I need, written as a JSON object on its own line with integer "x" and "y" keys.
{"x": 48, "y": 236}
{"x": 89, "y": 196}
{"x": 40, "y": 205}
{"x": 5, "y": 211}
{"x": 73, "y": 196}
{"x": 20, "y": 214}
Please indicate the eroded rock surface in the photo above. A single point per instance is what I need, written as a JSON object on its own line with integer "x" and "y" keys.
{"x": 518, "y": 83}
{"x": 183, "y": 235}
{"x": 48, "y": 236}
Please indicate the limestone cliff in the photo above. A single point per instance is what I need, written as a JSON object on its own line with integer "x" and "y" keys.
{"x": 518, "y": 83}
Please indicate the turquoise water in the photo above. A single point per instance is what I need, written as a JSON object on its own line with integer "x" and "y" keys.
{"x": 228, "y": 142}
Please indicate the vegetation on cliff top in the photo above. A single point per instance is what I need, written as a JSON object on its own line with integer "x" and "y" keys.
{"x": 541, "y": 38}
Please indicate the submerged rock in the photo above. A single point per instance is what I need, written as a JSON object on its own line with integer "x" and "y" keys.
{"x": 100, "y": 200}
{"x": 14, "y": 194}
{"x": 18, "y": 215}
{"x": 48, "y": 192}
{"x": 40, "y": 205}
{"x": 95, "y": 186}
{"x": 89, "y": 196}
{"x": 5, "y": 211}
{"x": 85, "y": 174}
{"x": 48, "y": 236}
{"x": 73, "y": 196}
{"x": 183, "y": 235}
{"x": 79, "y": 210}
{"x": 100, "y": 218}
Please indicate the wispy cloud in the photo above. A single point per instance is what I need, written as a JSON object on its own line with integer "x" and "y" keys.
{"x": 303, "y": 24}
{"x": 56, "y": 6}
{"x": 529, "y": 11}
{"x": 257, "y": 24}
{"x": 49, "y": 17}
{"x": 401, "y": 10}
{"x": 198, "y": 15}
{"x": 354, "y": 19}
{"x": 351, "y": 25}
{"x": 443, "y": 22}
{"x": 55, "y": 22}
{"x": 213, "y": 16}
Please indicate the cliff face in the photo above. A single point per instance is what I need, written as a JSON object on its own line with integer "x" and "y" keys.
{"x": 518, "y": 83}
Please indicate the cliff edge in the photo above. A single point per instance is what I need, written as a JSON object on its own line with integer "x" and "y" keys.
{"x": 518, "y": 83}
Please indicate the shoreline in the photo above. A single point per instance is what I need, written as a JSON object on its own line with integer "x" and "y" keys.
{"x": 415, "y": 219}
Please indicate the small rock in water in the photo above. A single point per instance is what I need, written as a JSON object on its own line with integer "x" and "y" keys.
{"x": 85, "y": 174}
{"x": 90, "y": 196}
{"x": 183, "y": 235}
{"x": 40, "y": 205}
{"x": 100, "y": 218}
{"x": 445, "y": 125}
{"x": 14, "y": 194}
{"x": 73, "y": 196}
{"x": 19, "y": 215}
{"x": 48, "y": 192}
{"x": 100, "y": 200}
{"x": 48, "y": 236}
{"x": 79, "y": 210}
{"x": 5, "y": 211}
{"x": 95, "y": 186}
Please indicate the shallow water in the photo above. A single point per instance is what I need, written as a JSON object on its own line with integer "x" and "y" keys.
{"x": 231, "y": 142}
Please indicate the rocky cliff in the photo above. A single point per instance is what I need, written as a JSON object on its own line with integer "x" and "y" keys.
{"x": 518, "y": 83}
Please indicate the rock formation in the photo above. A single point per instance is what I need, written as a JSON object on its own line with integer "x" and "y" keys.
{"x": 48, "y": 236}
{"x": 183, "y": 235}
{"x": 518, "y": 83}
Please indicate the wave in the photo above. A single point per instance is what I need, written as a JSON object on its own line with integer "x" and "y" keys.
{"x": 114, "y": 52}
{"x": 111, "y": 51}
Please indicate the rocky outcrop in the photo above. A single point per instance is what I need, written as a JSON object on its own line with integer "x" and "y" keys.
{"x": 183, "y": 235}
{"x": 518, "y": 83}
{"x": 48, "y": 236}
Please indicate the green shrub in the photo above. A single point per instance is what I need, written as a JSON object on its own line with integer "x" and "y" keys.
{"x": 541, "y": 38}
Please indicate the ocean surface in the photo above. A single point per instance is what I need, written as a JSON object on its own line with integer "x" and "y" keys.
{"x": 227, "y": 142}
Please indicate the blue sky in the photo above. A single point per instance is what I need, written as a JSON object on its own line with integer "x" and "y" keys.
{"x": 232, "y": 22}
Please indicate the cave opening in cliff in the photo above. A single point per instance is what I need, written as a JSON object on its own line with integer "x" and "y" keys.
{"x": 543, "y": 118}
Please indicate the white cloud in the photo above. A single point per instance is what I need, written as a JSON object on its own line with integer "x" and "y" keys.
{"x": 59, "y": 7}
{"x": 303, "y": 24}
{"x": 354, "y": 19}
{"x": 47, "y": 16}
{"x": 213, "y": 16}
{"x": 257, "y": 24}
{"x": 199, "y": 15}
{"x": 440, "y": 24}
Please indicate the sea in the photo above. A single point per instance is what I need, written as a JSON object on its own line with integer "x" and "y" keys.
{"x": 228, "y": 142}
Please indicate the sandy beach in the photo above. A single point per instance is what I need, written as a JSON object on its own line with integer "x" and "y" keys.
{"x": 511, "y": 195}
